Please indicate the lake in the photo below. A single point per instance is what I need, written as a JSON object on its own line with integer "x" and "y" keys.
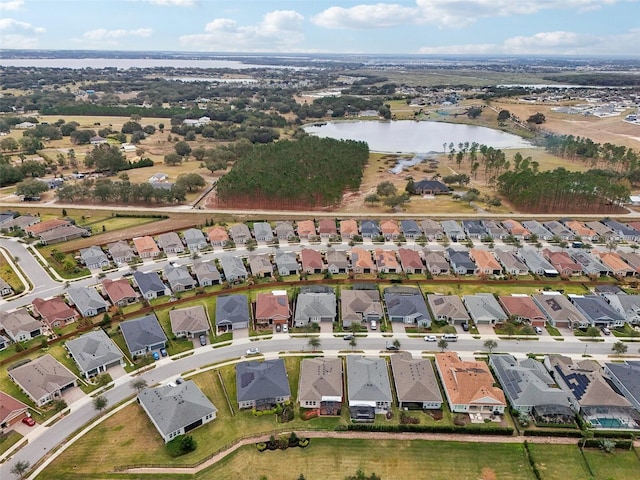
{"x": 408, "y": 136}
{"x": 125, "y": 63}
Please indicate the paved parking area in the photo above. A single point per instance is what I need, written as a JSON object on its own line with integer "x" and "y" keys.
{"x": 116, "y": 372}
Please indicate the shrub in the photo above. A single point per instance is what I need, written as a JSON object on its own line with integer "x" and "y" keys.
{"x": 303, "y": 442}
{"x": 261, "y": 446}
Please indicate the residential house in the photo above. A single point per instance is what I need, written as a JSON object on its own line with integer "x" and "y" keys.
{"x": 143, "y": 335}
{"x": 522, "y": 307}
{"x": 581, "y": 230}
{"x": 494, "y": 229}
{"x": 360, "y": 306}
{"x": 589, "y": 265}
{"x": 121, "y": 252}
{"x": 415, "y": 382}
{"x": 327, "y": 228}
{"x": 560, "y": 312}
{"x": 39, "y": 228}
{"x": 240, "y": 233}
{"x": 516, "y": 229}
{"x": 368, "y": 387}
{"x": 448, "y": 308}
{"x": 97, "y": 140}
{"x": 411, "y": 261}
{"x": 436, "y": 262}
{"x": 512, "y": 264}
{"x": 627, "y": 305}
{"x": 410, "y": 229}
{"x": 262, "y": 232}
{"x": 12, "y": 224}
{"x": 19, "y": 325}
{"x": 536, "y": 228}
{"x": 194, "y": 239}
{"x": 484, "y": 308}
{"x": 272, "y": 308}
{"x": 616, "y": 264}
{"x": 218, "y": 236}
{"x": 320, "y": 385}
{"x": 530, "y": 389}
{"x": 432, "y": 230}
{"x": 5, "y": 288}
{"x": 43, "y": 379}
{"x": 262, "y": 385}
{"x": 260, "y": 265}
{"x": 94, "y": 353}
{"x": 469, "y": 385}
{"x": 120, "y": 292}
{"x": 4, "y": 343}
{"x": 233, "y": 269}
{"x": 315, "y": 305}
{"x": 474, "y": 229}
{"x": 430, "y": 187}
{"x": 312, "y": 262}
{"x": 232, "y": 312}
{"x": 94, "y": 258}
{"x": 485, "y": 261}
{"x": 87, "y": 301}
{"x": 562, "y": 262}
{"x": 369, "y": 229}
{"x": 149, "y": 284}
{"x": 12, "y": 411}
{"x": 284, "y": 231}
{"x": 461, "y": 262}
{"x": 170, "y": 243}
{"x": 176, "y": 409}
{"x": 179, "y": 278}
{"x": 633, "y": 259}
{"x": 189, "y": 322}
{"x": 348, "y": 228}
{"x": 306, "y": 229}
{"x": 337, "y": 261}
{"x": 453, "y": 230}
{"x": 206, "y": 273}
{"x": 626, "y": 378}
{"x": 622, "y": 231}
{"x": 407, "y": 305}
{"x": 386, "y": 261}
{"x": 54, "y": 312}
{"x": 590, "y": 394}
{"x": 536, "y": 263}
{"x": 63, "y": 234}
{"x": 603, "y": 232}
{"x": 146, "y": 247}
{"x": 557, "y": 229}
{"x": 597, "y": 311}
{"x": 390, "y": 229}
{"x": 287, "y": 263}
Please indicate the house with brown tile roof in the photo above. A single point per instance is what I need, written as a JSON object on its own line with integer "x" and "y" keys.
{"x": 618, "y": 266}
{"x": 468, "y": 385}
{"x": 11, "y": 410}
{"x": 516, "y": 229}
{"x": 522, "y": 307}
{"x": 511, "y": 263}
{"x": 146, "y": 247}
{"x": 415, "y": 381}
{"x": 386, "y": 261}
{"x": 485, "y": 261}
{"x": 562, "y": 262}
{"x": 580, "y": 229}
{"x": 55, "y": 312}
{"x": 306, "y": 228}
{"x": 559, "y": 310}
{"x": 632, "y": 259}
{"x": 260, "y": 265}
{"x": 19, "y": 325}
{"x": 43, "y": 379}
{"x": 63, "y": 234}
{"x": 121, "y": 252}
{"x": 360, "y": 306}
{"x": 337, "y": 261}
{"x": 389, "y": 229}
{"x": 432, "y": 229}
{"x": 321, "y": 385}
{"x": 411, "y": 261}
{"x": 448, "y": 307}
{"x": 170, "y": 242}
{"x": 120, "y": 292}
{"x": 311, "y": 261}
{"x": 361, "y": 261}
{"x": 348, "y": 228}
{"x": 189, "y": 322}
{"x": 273, "y": 308}
{"x": 38, "y": 229}
{"x": 217, "y": 236}
{"x": 436, "y": 262}
{"x": 327, "y": 228}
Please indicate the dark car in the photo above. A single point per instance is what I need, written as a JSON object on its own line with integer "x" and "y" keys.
{"x": 348, "y": 336}
{"x": 179, "y": 381}
{"x": 163, "y": 352}
{"x": 465, "y": 326}
{"x": 203, "y": 340}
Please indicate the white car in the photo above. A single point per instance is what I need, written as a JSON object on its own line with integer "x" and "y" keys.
{"x": 285, "y": 328}
{"x": 430, "y": 338}
{"x": 253, "y": 351}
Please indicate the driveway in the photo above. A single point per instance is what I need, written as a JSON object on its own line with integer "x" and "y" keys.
{"x": 398, "y": 327}
{"x": 72, "y": 395}
{"x": 326, "y": 327}
{"x": 483, "y": 329}
{"x": 240, "y": 333}
{"x": 116, "y": 372}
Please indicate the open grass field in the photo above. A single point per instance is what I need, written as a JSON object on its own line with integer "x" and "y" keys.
{"x": 621, "y": 465}
{"x": 496, "y": 288}
{"x": 549, "y": 457}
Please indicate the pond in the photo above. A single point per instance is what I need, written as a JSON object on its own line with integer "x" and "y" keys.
{"x": 408, "y": 136}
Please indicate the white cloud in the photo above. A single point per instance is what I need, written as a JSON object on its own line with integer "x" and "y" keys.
{"x": 17, "y": 34}
{"x": 174, "y": 3}
{"x": 11, "y": 5}
{"x": 280, "y": 30}
{"x": 444, "y": 13}
{"x": 102, "y": 34}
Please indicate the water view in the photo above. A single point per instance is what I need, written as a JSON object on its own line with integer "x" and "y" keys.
{"x": 125, "y": 63}
{"x": 406, "y": 136}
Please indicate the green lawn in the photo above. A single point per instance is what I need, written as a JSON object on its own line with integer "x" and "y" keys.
{"x": 549, "y": 457}
{"x": 8, "y": 440}
{"x": 621, "y": 465}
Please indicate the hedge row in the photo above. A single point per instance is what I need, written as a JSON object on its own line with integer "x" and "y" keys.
{"x": 614, "y": 434}
{"x": 553, "y": 433}
{"x": 597, "y": 443}
{"x": 484, "y": 430}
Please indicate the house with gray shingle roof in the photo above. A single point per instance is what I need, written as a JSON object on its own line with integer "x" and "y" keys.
{"x": 206, "y": 272}
{"x": 19, "y": 325}
{"x": 94, "y": 353}
{"x": 284, "y": 230}
{"x": 179, "y": 278}
{"x": 176, "y": 409}
{"x": 337, "y": 261}
{"x": 511, "y": 263}
{"x": 143, "y": 335}
{"x": 87, "y": 300}
{"x": 233, "y": 269}
{"x": 494, "y": 229}
{"x": 121, "y": 252}
{"x": 474, "y": 228}
{"x": 559, "y": 230}
{"x": 622, "y": 230}
{"x": 589, "y": 265}
{"x": 315, "y": 306}
{"x": 410, "y": 229}
{"x": 260, "y": 265}
{"x": 415, "y": 382}
{"x": 626, "y": 377}
{"x": 149, "y": 284}
{"x": 448, "y": 307}
{"x": 262, "y": 232}
{"x": 432, "y": 229}
{"x": 262, "y": 385}
{"x": 453, "y": 230}
{"x": 597, "y": 311}
{"x": 287, "y": 263}
{"x": 195, "y": 239}
{"x": 189, "y": 322}
{"x": 369, "y": 228}
{"x": 232, "y": 312}
{"x": 484, "y": 308}
{"x": 368, "y": 386}
{"x": 170, "y": 243}
{"x": 407, "y": 305}
{"x": 461, "y": 262}
{"x": 43, "y": 379}
{"x": 320, "y": 385}
{"x": 627, "y": 305}
{"x": 94, "y": 258}
{"x": 436, "y": 262}
{"x": 560, "y": 312}
{"x": 537, "y": 263}
{"x": 602, "y": 231}
{"x": 240, "y": 233}
{"x": 5, "y": 288}
{"x": 536, "y": 228}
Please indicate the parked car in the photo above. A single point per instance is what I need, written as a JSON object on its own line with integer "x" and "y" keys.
{"x": 430, "y": 338}
{"x": 253, "y": 351}
{"x": 179, "y": 381}
{"x": 163, "y": 352}
{"x": 278, "y": 327}
{"x": 465, "y": 326}
{"x": 156, "y": 356}
{"x": 203, "y": 340}
{"x": 285, "y": 328}
{"x": 538, "y": 330}
{"x": 606, "y": 331}
{"x": 348, "y": 336}
{"x": 29, "y": 421}
{"x": 392, "y": 346}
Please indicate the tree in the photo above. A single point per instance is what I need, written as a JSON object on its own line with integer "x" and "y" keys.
{"x": 504, "y": 115}
{"x": 397, "y": 201}
{"x": 619, "y": 348}
{"x": 443, "y": 344}
{"x": 474, "y": 112}
{"x": 172, "y": 159}
{"x": 510, "y": 329}
{"x": 106, "y": 158}
{"x": 410, "y": 188}
{"x": 537, "y": 118}
{"x": 592, "y": 332}
{"x": 191, "y": 181}
{"x": 188, "y": 444}
{"x": 396, "y": 343}
{"x": 182, "y": 148}
{"x": 353, "y": 343}
{"x": 386, "y": 189}
{"x": 9, "y": 143}
{"x": 131, "y": 126}
{"x": 314, "y": 343}
{"x": 490, "y": 345}
{"x": 31, "y": 188}
{"x": 139, "y": 385}
{"x": 100, "y": 403}
{"x": 20, "y": 468}
{"x": 371, "y": 198}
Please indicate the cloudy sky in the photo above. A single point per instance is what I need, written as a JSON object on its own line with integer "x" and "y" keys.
{"x": 559, "y": 27}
